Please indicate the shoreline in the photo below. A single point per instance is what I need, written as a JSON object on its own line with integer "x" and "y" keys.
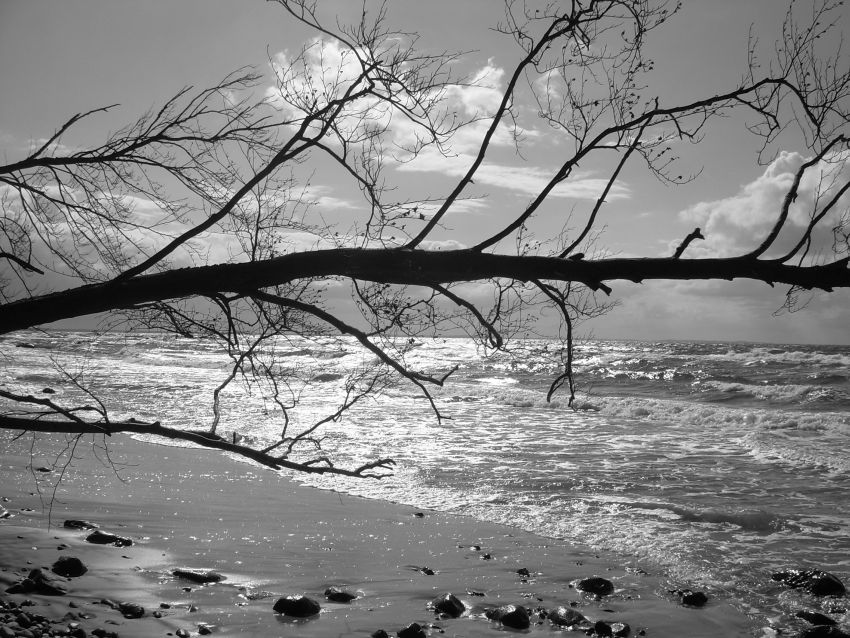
{"x": 271, "y": 537}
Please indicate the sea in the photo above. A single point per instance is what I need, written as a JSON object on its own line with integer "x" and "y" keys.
{"x": 713, "y": 463}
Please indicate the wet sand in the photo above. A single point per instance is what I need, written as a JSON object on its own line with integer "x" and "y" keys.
{"x": 270, "y": 537}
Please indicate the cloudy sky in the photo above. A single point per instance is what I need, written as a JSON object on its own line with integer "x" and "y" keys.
{"x": 60, "y": 57}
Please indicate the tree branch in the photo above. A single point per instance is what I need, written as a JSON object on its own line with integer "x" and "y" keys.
{"x": 402, "y": 267}
{"x": 198, "y": 438}
{"x": 694, "y": 234}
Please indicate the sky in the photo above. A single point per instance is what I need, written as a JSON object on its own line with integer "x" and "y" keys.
{"x": 60, "y": 57}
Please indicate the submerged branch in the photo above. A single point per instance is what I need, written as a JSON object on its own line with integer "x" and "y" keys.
{"x": 204, "y": 439}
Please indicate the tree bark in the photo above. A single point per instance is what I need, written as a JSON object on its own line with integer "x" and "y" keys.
{"x": 412, "y": 267}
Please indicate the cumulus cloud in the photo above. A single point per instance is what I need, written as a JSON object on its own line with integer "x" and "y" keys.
{"x": 447, "y": 244}
{"x": 325, "y": 70}
{"x": 527, "y": 180}
{"x": 483, "y": 93}
{"x": 472, "y": 206}
{"x": 739, "y": 223}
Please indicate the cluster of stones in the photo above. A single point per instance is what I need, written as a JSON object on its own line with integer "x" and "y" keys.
{"x": 22, "y": 624}
{"x": 17, "y": 622}
{"x": 821, "y": 584}
{"x": 519, "y": 617}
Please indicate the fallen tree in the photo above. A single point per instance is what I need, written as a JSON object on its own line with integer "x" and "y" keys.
{"x": 126, "y": 227}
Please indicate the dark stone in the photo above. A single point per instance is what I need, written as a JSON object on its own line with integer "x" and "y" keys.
{"x": 72, "y": 524}
{"x": 182, "y": 633}
{"x": 45, "y": 585}
{"x": 413, "y": 630}
{"x": 596, "y": 585}
{"x": 69, "y": 566}
{"x": 419, "y": 515}
{"x": 337, "y": 595}
{"x": 131, "y": 610}
{"x": 824, "y": 631}
{"x": 814, "y": 581}
{"x": 513, "y": 616}
{"x": 48, "y": 391}
{"x": 616, "y": 629}
{"x": 298, "y": 606}
{"x": 448, "y": 605}
{"x": 815, "y": 617}
{"x": 106, "y": 538}
{"x": 522, "y": 571}
{"x": 426, "y": 570}
{"x": 566, "y": 617}
{"x": 44, "y": 469}
{"x": 204, "y": 630}
{"x": 201, "y": 576}
{"x": 380, "y": 633}
{"x": 24, "y": 344}
{"x": 25, "y": 586}
{"x": 691, "y": 598}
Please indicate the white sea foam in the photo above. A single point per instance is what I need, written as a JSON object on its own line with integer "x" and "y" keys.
{"x": 714, "y": 462}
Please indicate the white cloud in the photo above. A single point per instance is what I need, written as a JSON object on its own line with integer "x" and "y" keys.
{"x": 483, "y": 93}
{"x": 325, "y": 69}
{"x": 447, "y": 244}
{"x": 473, "y": 206}
{"x": 320, "y": 195}
{"x": 527, "y": 180}
{"x": 739, "y": 223}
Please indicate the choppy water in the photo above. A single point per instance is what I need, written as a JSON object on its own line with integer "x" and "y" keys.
{"x": 714, "y": 462}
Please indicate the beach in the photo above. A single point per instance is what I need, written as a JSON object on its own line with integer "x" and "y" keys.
{"x": 270, "y": 538}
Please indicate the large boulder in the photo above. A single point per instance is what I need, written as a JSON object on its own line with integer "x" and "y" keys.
{"x": 69, "y": 566}
{"x": 37, "y": 582}
{"x": 814, "y": 581}
{"x": 413, "y": 630}
{"x": 339, "y": 595}
{"x": 565, "y": 617}
{"x": 106, "y": 538}
{"x": 297, "y": 606}
{"x": 691, "y": 598}
{"x": 815, "y": 618}
{"x": 513, "y": 616}
{"x": 131, "y": 610}
{"x": 448, "y": 605}
{"x": 596, "y": 585}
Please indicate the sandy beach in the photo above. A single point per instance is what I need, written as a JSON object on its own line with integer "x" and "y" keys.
{"x": 270, "y": 538}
